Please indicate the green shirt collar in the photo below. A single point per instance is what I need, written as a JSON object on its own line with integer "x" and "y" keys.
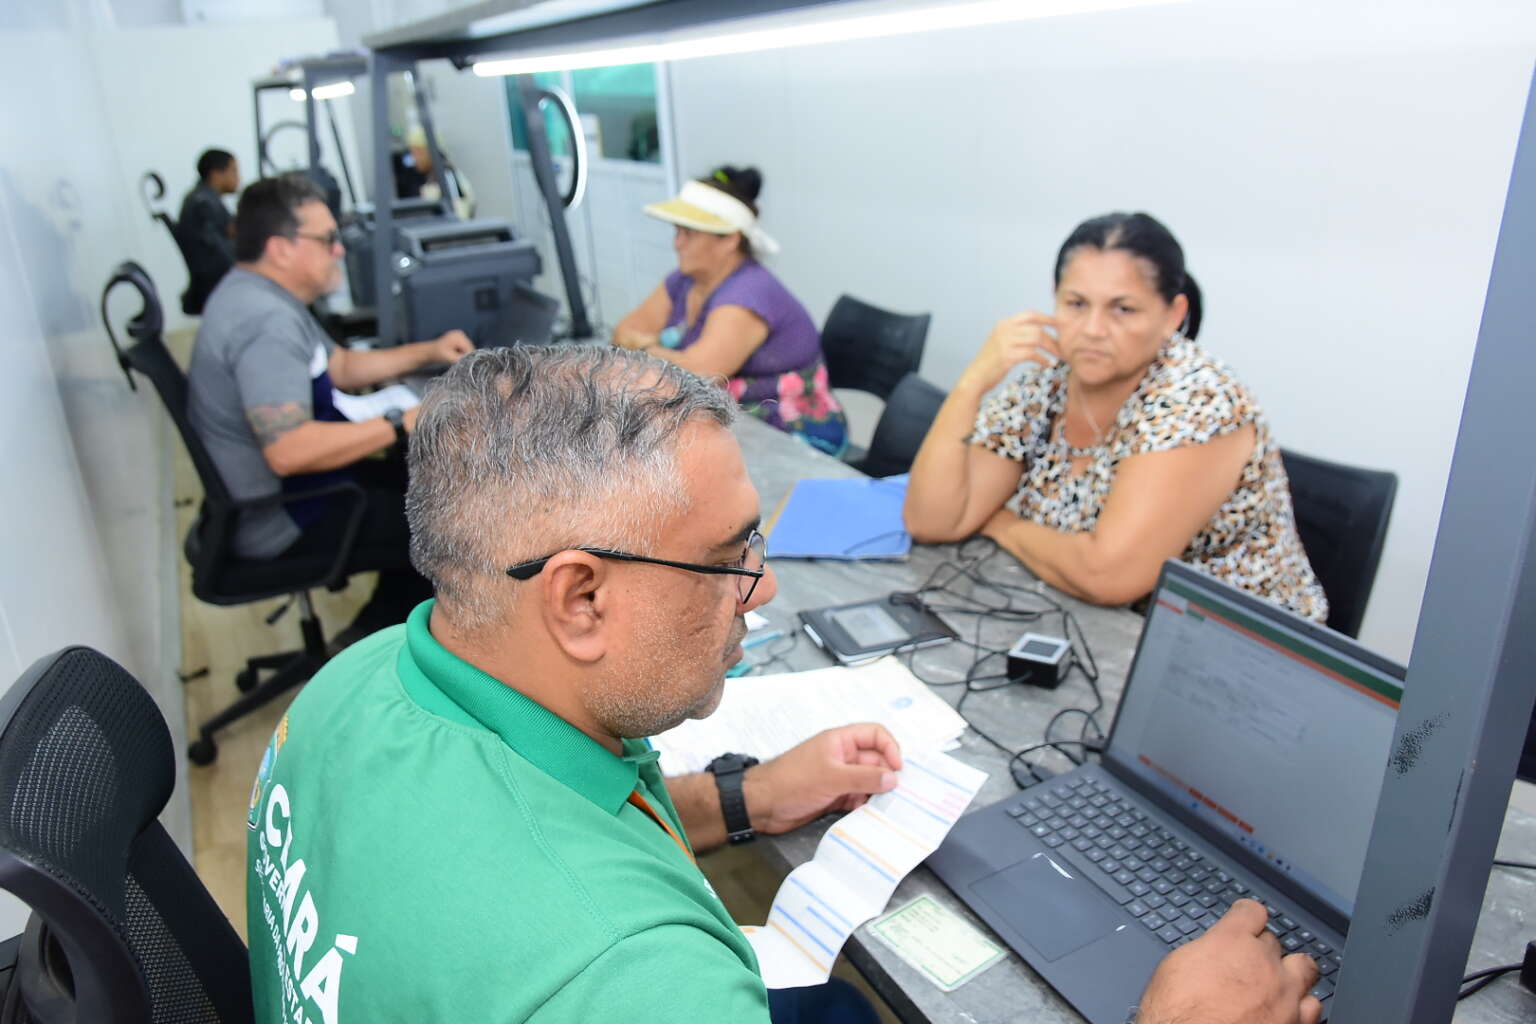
{"x": 546, "y": 740}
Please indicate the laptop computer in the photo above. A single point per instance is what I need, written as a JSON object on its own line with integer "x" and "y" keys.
{"x": 1245, "y": 760}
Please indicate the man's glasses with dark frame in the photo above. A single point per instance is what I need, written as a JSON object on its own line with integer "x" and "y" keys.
{"x": 751, "y": 568}
{"x": 330, "y": 239}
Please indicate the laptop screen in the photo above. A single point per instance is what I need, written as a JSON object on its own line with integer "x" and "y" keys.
{"x": 1265, "y": 729}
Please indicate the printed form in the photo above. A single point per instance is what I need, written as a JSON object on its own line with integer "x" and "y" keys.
{"x": 858, "y": 864}
{"x": 766, "y": 715}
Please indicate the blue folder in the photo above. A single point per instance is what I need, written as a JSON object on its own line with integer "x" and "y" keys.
{"x": 856, "y": 518}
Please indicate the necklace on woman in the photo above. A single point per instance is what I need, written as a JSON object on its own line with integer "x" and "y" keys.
{"x": 1098, "y": 432}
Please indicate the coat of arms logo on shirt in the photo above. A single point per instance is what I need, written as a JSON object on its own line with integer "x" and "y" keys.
{"x": 268, "y": 763}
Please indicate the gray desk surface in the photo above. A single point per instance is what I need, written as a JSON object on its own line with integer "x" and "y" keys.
{"x": 1016, "y": 716}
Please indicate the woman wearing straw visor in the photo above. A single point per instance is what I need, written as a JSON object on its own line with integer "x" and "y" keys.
{"x": 721, "y": 313}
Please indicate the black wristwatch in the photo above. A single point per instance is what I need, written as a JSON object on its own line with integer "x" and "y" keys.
{"x": 728, "y": 770}
{"x": 396, "y": 419}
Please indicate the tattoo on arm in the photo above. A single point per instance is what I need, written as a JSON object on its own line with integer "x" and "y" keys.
{"x": 271, "y": 422}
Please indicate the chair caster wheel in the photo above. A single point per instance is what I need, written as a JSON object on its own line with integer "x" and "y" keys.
{"x": 202, "y": 751}
{"x": 245, "y": 680}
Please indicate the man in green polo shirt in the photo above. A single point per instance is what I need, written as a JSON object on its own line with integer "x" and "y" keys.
{"x": 459, "y": 818}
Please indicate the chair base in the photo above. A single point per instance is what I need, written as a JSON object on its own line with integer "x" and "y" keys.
{"x": 291, "y": 668}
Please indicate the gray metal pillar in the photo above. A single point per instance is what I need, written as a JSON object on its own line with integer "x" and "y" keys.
{"x": 261, "y": 142}
{"x": 383, "y": 198}
{"x": 311, "y": 118}
{"x": 341, "y": 153}
{"x": 1472, "y": 678}
{"x": 424, "y": 115}
{"x": 544, "y": 174}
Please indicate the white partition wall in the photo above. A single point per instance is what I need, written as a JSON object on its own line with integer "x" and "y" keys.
{"x": 88, "y": 552}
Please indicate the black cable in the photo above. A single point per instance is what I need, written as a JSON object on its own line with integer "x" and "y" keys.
{"x": 1515, "y": 864}
{"x": 963, "y": 588}
{"x": 1018, "y": 758}
{"x": 1485, "y": 977}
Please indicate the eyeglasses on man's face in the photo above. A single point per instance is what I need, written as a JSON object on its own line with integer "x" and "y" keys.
{"x": 750, "y": 567}
{"x": 330, "y": 239}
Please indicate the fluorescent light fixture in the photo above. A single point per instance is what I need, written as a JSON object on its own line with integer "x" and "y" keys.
{"x": 329, "y": 91}
{"x": 809, "y": 33}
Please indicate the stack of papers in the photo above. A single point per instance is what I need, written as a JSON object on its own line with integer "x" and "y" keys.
{"x": 859, "y": 863}
{"x": 766, "y": 715}
{"x": 358, "y": 408}
{"x": 856, "y": 518}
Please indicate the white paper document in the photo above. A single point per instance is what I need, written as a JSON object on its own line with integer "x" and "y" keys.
{"x": 375, "y": 404}
{"x": 858, "y": 864}
{"x": 766, "y": 715}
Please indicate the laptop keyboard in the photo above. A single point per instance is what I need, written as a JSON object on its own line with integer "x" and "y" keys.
{"x": 1163, "y": 882}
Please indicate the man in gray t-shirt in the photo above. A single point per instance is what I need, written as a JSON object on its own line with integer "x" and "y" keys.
{"x": 259, "y": 395}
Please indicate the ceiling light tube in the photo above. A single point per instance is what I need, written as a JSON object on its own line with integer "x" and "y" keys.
{"x": 329, "y": 91}
{"x": 868, "y": 26}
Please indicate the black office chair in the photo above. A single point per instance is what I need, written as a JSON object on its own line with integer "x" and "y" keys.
{"x": 908, "y": 414}
{"x": 869, "y": 349}
{"x": 121, "y": 930}
{"x": 219, "y": 576}
{"x": 1342, "y": 513}
{"x": 152, "y": 191}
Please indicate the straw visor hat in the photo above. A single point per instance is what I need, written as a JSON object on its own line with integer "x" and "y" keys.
{"x": 708, "y": 209}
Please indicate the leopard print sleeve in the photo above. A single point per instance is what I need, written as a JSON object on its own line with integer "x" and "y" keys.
{"x": 1190, "y": 398}
{"x": 1016, "y": 415}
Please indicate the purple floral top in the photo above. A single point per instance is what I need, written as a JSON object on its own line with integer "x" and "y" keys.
{"x": 784, "y": 382}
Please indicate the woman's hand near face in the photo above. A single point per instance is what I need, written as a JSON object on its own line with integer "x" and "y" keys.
{"x": 1026, "y": 337}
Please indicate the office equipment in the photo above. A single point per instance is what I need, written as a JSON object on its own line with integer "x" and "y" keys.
{"x": 359, "y": 228}
{"x": 904, "y": 422}
{"x": 1342, "y": 514}
{"x": 121, "y": 930}
{"x": 871, "y": 349}
{"x": 860, "y": 632}
{"x": 398, "y": 52}
{"x": 849, "y": 519}
{"x": 1245, "y": 761}
{"x": 1016, "y": 717}
{"x": 767, "y": 715}
{"x": 858, "y": 864}
{"x": 218, "y": 576}
{"x": 1039, "y": 660}
{"x": 472, "y": 276}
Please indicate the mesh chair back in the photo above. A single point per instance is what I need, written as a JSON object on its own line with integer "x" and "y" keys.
{"x": 871, "y": 349}
{"x": 908, "y": 414}
{"x": 1342, "y": 514}
{"x": 129, "y": 933}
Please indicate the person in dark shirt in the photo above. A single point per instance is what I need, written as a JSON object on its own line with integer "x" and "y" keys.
{"x": 205, "y": 228}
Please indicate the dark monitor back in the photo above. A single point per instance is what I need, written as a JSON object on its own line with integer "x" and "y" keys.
{"x": 492, "y": 304}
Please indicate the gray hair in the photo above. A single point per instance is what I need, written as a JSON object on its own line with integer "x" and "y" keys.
{"x": 524, "y": 451}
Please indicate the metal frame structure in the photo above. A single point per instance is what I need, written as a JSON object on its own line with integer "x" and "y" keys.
{"x": 461, "y": 37}
{"x": 1472, "y": 677}
{"x": 310, "y": 72}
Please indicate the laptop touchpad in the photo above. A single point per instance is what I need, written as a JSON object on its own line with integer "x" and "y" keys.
{"x": 1055, "y": 911}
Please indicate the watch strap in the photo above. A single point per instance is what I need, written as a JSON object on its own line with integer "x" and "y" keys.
{"x": 396, "y": 419}
{"x": 729, "y": 771}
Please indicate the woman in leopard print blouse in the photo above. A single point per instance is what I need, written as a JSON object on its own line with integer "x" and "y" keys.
{"x": 1116, "y": 442}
